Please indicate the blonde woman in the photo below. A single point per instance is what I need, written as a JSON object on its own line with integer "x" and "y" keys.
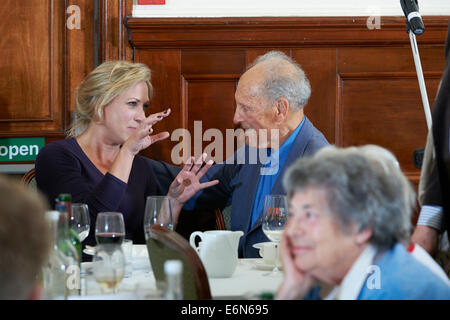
{"x": 98, "y": 163}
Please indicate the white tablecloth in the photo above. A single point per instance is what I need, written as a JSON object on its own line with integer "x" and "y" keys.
{"x": 248, "y": 281}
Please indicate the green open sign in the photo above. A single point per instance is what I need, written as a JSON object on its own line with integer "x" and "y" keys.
{"x": 20, "y": 149}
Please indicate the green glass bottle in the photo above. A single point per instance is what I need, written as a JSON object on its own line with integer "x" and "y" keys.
{"x": 65, "y": 200}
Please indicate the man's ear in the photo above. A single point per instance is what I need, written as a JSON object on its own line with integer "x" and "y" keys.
{"x": 282, "y": 108}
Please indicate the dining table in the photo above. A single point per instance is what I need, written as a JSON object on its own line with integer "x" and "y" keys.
{"x": 251, "y": 279}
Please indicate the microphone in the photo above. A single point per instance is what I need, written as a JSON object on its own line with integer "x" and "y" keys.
{"x": 411, "y": 11}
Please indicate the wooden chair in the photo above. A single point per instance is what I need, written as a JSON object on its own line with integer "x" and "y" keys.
{"x": 163, "y": 245}
{"x": 220, "y": 222}
{"x": 29, "y": 179}
{"x": 223, "y": 218}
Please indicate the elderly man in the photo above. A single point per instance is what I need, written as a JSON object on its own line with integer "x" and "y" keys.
{"x": 24, "y": 241}
{"x": 270, "y": 98}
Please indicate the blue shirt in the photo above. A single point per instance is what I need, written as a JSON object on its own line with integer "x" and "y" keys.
{"x": 270, "y": 172}
{"x": 402, "y": 277}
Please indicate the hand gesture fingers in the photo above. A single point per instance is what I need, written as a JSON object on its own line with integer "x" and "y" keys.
{"x": 198, "y": 163}
{"x": 156, "y": 117}
{"x": 205, "y": 168}
{"x": 142, "y": 137}
{"x": 208, "y": 184}
{"x": 158, "y": 137}
{"x": 188, "y": 165}
{"x": 187, "y": 182}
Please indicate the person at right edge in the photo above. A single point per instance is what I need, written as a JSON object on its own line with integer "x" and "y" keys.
{"x": 432, "y": 230}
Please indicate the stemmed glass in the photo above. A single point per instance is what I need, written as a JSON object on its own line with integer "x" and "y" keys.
{"x": 79, "y": 220}
{"x": 109, "y": 259}
{"x": 158, "y": 211}
{"x": 275, "y": 218}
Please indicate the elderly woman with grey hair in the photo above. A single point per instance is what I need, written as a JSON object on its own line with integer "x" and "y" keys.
{"x": 348, "y": 226}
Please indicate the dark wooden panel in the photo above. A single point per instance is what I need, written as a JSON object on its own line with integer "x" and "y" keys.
{"x": 319, "y": 65}
{"x": 387, "y": 111}
{"x": 113, "y": 34}
{"x": 43, "y": 63}
{"x": 80, "y": 52}
{"x": 165, "y": 66}
{"x": 211, "y": 104}
{"x": 25, "y": 53}
{"x": 389, "y": 59}
{"x": 31, "y": 85}
{"x": 276, "y": 32}
{"x": 213, "y": 61}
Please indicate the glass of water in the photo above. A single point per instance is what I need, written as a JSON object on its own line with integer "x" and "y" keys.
{"x": 79, "y": 220}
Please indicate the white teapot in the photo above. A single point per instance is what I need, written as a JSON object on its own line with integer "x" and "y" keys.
{"x": 218, "y": 251}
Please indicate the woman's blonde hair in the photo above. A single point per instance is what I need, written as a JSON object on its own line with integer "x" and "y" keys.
{"x": 101, "y": 86}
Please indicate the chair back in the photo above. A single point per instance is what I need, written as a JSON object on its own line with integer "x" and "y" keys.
{"x": 29, "y": 179}
{"x": 163, "y": 245}
{"x": 223, "y": 218}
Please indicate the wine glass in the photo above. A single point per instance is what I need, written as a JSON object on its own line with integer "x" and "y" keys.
{"x": 109, "y": 259}
{"x": 275, "y": 218}
{"x": 158, "y": 211}
{"x": 79, "y": 220}
{"x": 110, "y": 228}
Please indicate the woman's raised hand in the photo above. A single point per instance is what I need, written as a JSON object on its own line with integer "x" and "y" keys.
{"x": 143, "y": 138}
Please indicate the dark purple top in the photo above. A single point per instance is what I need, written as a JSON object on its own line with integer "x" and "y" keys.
{"x": 63, "y": 167}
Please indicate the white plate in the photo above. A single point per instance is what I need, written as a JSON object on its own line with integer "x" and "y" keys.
{"x": 139, "y": 250}
{"x": 261, "y": 265}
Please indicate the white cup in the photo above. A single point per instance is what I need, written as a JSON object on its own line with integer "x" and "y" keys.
{"x": 268, "y": 251}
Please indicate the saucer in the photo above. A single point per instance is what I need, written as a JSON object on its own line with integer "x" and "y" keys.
{"x": 260, "y": 244}
{"x": 260, "y": 264}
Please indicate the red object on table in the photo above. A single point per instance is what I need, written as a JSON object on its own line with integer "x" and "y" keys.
{"x": 141, "y": 2}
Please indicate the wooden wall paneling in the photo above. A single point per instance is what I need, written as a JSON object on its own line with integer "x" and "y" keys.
{"x": 114, "y": 43}
{"x": 267, "y": 32}
{"x": 166, "y": 81}
{"x": 319, "y": 65}
{"x": 373, "y": 111}
{"x": 379, "y": 99}
{"x": 392, "y": 58}
{"x": 79, "y": 60}
{"x": 213, "y": 61}
{"x": 209, "y": 81}
{"x": 32, "y": 82}
{"x": 210, "y": 105}
{"x": 45, "y": 60}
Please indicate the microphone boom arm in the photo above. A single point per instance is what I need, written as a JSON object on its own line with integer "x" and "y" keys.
{"x": 420, "y": 78}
